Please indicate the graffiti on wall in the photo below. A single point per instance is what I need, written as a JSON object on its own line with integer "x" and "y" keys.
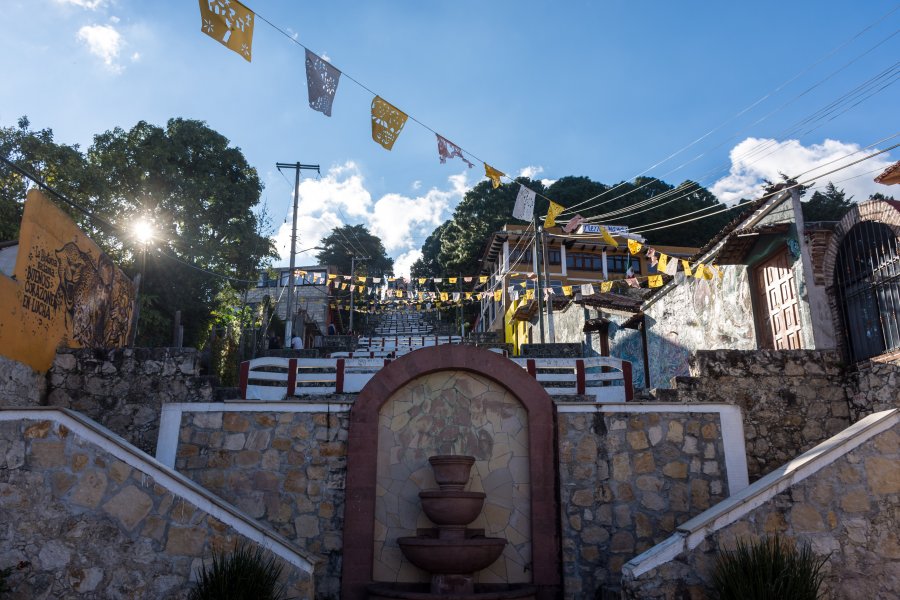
{"x": 65, "y": 291}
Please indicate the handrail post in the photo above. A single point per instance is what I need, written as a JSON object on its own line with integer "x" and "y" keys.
{"x": 339, "y": 377}
{"x": 579, "y": 377}
{"x": 244, "y": 377}
{"x": 292, "y": 378}
{"x": 627, "y": 380}
{"x": 532, "y": 369}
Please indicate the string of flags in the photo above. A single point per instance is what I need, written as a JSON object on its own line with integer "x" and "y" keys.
{"x": 230, "y": 23}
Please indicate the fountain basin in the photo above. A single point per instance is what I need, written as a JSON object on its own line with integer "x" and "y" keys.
{"x": 464, "y": 556}
{"x": 451, "y": 507}
{"x": 420, "y": 591}
{"x": 451, "y": 471}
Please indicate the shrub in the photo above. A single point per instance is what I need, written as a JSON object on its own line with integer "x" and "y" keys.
{"x": 245, "y": 574}
{"x": 771, "y": 569}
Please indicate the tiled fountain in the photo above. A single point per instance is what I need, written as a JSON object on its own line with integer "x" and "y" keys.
{"x": 451, "y": 553}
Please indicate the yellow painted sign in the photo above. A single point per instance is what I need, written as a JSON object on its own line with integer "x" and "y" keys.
{"x": 65, "y": 291}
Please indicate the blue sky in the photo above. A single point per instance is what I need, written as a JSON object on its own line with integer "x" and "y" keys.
{"x": 602, "y": 89}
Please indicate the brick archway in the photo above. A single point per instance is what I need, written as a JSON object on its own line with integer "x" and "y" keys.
{"x": 879, "y": 211}
{"x": 362, "y": 447}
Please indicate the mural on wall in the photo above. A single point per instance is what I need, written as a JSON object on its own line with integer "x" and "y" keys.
{"x": 699, "y": 314}
{"x": 453, "y": 413}
{"x": 626, "y": 344}
{"x": 65, "y": 291}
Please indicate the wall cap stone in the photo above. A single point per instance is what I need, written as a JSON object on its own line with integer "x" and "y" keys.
{"x": 690, "y": 534}
{"x": 173, "y": 481}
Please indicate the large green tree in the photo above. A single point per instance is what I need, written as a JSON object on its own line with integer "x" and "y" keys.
{"x": 830, "y": 205}
{"x": 198, "y": 192}
{"x": 348, "y": 241}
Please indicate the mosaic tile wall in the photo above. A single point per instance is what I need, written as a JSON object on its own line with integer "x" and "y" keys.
{"x": 453, "y": 413}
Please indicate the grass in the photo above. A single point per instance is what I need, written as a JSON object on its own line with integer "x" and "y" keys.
{"x": 771, "y": 569}
{"x": 244, "y": 574}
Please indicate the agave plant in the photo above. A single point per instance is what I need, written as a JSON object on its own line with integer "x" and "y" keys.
{"x": 771, "y": 569}
{"x": 244, "y": 574}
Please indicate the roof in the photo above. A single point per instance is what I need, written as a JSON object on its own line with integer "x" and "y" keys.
{"x": 741, "y": 241}
{"x": 890, "y": 176}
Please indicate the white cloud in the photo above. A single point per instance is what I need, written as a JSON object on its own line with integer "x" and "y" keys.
{"x": 104, "y": 42}
{"x": 530, "y": 171}
{"x": 341, "y": 198}
{"x": 754, "y": 160}
{"x": 88, "y": 4}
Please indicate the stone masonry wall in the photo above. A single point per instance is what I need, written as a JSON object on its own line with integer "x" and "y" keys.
{"x": 125, "y": 389}
{"x": 791, "y": 399}
{"x": 875, "y": 386}
{"x": 850, "y": 510}
{"x": 627, "y": 480}
{"x": 77, "y": 522}
{"x": 20, "y": 385}
{"x": 285, "y": 469}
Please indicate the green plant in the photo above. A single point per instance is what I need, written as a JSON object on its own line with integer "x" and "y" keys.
{"x": 770, "y": 569}
{"x": 244, "y": 574}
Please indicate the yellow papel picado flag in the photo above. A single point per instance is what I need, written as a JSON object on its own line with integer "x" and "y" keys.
{"x": 387, "y": 122}
{"x": 609, "y": 239}
{"x": 552, "y": 212}
{"x": 493, "y": 174}
{"x": 654, "y": 281}
{"x": 230, "y": 23}
{"x": 634, "y": 246}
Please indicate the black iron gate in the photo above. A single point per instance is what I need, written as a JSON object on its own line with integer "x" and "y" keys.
{"x": 867, "y": 280}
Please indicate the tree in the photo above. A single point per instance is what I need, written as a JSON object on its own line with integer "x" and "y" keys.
{"x": 348, "y": 241}
{"x": 829, "y": 206}
{"x": 427, "y": 265}
{"x": 198, "y": 192}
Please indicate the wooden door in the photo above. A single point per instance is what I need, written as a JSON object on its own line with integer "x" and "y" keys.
{"x": 778, "y": 309}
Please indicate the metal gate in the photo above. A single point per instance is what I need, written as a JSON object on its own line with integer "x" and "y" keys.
{"x": 867, "y": 281}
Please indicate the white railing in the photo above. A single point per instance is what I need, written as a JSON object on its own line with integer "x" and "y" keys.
{"x": 607, "y": 379}
{"x": 409, "y": 341}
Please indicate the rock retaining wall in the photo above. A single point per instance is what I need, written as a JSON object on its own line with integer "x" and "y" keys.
{"x": 125, "y": 389}
{"x": 20, "y": 385}
{"x": 626, "y": 481}
{"x": 849, "y": 511}
{"x": 77, "y": 521}
{"x": 791, "y": 399}
{"x": 875, "y": 386}
{"x": 285, "y": 469}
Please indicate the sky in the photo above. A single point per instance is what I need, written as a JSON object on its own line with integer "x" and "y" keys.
{"x": 723, "y": 93}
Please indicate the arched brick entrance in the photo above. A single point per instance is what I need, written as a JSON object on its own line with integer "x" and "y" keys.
{"x": 359, "y": 511}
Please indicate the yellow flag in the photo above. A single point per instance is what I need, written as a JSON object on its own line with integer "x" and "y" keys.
{"x": 529, "y": 294}
{"x": 493, "y": 174}
{"x": 343, "y": 286}
{"x": 718, "y": 271}
{"x": 605, "y": 286}
{"x": 230, "y": 23}
{"x": 604, "y": 233}
{"x": 634, "y": 246}
{"x": 387, "y": 122}
{"x": 663, "y": 262}
{"x": 552, "y": 213}
{"x": 361, "y": 279}
{"x": 444, "y": 296}
{"x": 654, "y": 281}
{"x": 687, "y": 268}
{"x": 468, "y": 295}
{"x": 451, "y": 279}
{"x": 392, "y": 279}
{"x": 567, "y": 290}
{"x": 399, "y": 293}
{"x": 482, "y": 278}
{"x": 497, "y": 295}
{"x": 331, "y": 276}
{"x": 524, "y": 283}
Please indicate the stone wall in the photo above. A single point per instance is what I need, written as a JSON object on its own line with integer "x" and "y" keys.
{"x": 848, "y": 510}
{"x": 125, "y": 389}
{"x": 626, "y": 481}
{"x": 791, "y": 399}
{"x": 875, "y": 386}
{"x": 20, "y": 385}
{"x": 77, "y": 521}
{"x": 285, "y": 469}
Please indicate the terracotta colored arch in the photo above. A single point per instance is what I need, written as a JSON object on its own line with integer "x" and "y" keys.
{"x": 362, "y": 448}
{"x": 886, "y": 212}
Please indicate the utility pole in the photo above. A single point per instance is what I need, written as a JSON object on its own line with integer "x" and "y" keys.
{"x": 352, "y": 284}
{"x": 289, "y": 317}
{"x": 549, "y": 287}
{"x": 538, "y": 231}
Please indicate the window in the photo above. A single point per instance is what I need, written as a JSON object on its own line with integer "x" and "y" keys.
{"x": 554, "y": 256}
{"x": 584, "y": 262}
{"x": 616, "y": 263}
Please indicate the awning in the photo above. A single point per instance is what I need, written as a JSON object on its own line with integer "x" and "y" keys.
{"x": 740, "y": 242}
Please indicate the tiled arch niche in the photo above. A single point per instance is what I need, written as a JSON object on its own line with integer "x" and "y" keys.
{"x": 461, "y": 400}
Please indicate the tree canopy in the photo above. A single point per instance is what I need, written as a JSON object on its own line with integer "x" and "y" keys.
{"x": 455, "y": 246}
{"x": 348, "y": 241}
{"x": 197, "y": 191}
{"x": 831, "y": 205}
